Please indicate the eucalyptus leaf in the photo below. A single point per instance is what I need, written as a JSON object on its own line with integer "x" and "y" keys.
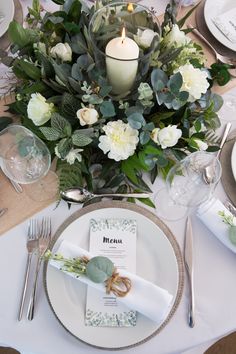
{"x": 232, "y": 234}
{"x": 107, "y": 109}
{"x": 99, "y": 269}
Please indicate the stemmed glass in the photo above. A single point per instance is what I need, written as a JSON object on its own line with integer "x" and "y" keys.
{"x": 25, "y": 159}
{"x": 185, "y": 187}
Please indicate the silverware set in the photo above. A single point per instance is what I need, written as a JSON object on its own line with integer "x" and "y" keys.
{"x": 38, "y": 240}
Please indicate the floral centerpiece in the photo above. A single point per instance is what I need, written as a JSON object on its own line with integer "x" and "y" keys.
{"x": 104, "y": 140}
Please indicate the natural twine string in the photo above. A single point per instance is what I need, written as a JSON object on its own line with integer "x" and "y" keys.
{"x": 119, "y": 286}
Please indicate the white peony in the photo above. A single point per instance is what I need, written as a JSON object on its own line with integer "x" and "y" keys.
{"x": 176, "y": 37}
{"x": 39, "y": 111}
{"x": 62, "y": 51}
{"x": 194, "y": 81}
{"x": 166, "y": 137}
{"x": 201, "y": 144}
{"x": 120, "y": 140}
{"x": 87, "y": 116}
{"x": 74, "y": 154}
{"x": 144, "y": 38}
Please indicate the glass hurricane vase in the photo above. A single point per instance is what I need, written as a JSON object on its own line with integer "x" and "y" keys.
{"x": 124, "y": 35}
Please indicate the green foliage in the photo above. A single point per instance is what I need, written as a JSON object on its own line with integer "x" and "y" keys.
{"x": 99, "y": 269}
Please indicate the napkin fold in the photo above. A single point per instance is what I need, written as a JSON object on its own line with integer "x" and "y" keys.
{"x": 226, "y": 23}
{"x": 208, "y": 214}
{"x": 145, "y": 297}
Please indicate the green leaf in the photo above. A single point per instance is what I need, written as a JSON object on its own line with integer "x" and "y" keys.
{"x": 144, "y": 137}
{"x": 232, "y": 234}
{"x": 99, "y": 269}
{"x": 30, "y": 69}
{"x": 136, "y": 120}
{"x": 181, "y": 22}
{"x": 18, "y": 35}
{"x": 60, "y": 124}
{"x": 76, "y": 72}
{"x": 175, "y": 83}
{"x": 69, "y": 105}
{"x": 147, "y": 201}
{"x": 64, "y": 147}
{"x": 159, "y": 79}
{"x": 80, "y": 139}
{"x": 50, "y": 133}
{"x": 107, "y": 109}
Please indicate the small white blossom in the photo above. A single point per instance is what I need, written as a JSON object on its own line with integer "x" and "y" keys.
{"x": 166, "y": 137}
{"x": 194, "y": 81}
{"x": 201, "y": 144}
{"x": 144, "y": 38}
{"x": 39, "y": 111}
{"x": 74, "y": 154}
{"x": 62, "y": 51}
{"x": 176, "y": 38}
{"x": 87, "y": 116}
{"x": 41, "y": 47}
{"x": 120, "y": 140}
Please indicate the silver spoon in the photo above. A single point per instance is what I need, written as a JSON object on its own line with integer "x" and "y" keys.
{"x": 209, "y": 171}
{"x": 82, "y": 195}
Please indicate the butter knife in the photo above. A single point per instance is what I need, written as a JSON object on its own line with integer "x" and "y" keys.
{"x": 188, "y": 261}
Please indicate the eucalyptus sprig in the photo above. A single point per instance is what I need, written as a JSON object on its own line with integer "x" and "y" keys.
{"x": 229, "y": 220}
{"x": 98, "y": 269}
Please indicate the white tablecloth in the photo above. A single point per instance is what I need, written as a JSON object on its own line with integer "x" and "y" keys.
{"x": 215, "y": 290}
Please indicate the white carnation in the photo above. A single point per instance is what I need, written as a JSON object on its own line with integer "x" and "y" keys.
{"x": 120, "y": 140}
{"x": 176, "y": 37}
{"x": 144, "y": 38}
{"x": 87, "y": 116}
{"x": 194, "y": 81}
{"x": 62, "y": 51}
{"x": 39, "y": 111}
{"x": 166, "y": 137}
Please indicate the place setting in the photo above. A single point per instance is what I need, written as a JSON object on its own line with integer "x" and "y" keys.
{"x": 117, "y": 126}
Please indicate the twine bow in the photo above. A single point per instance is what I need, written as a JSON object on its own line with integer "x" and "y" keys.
{"x": 119, "y": 286}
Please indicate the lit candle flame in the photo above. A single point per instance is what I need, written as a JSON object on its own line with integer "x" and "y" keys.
{"x": 123, "y": 35}
{"x": 130, "y": 7}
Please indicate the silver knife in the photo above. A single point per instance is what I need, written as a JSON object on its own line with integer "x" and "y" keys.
{"x": 188, "y": 261}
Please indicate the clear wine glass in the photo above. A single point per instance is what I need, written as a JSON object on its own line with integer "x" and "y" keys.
{"x": 185, "y": 186}
{"x": 25, "y": 159}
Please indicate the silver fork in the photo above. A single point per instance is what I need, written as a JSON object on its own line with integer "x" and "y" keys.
{"x": 32, "y": 245}
{"x": 44, "y": 240}
{"x": 218, "y": 56}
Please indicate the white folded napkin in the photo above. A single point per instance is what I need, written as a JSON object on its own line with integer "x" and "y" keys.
{"x": 226, "y": 23}
{"x": 144, "y": 296}
{"x": 208, "y": 214}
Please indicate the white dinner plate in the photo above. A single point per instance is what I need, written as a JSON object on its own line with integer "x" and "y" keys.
{"x": 233, "y": 160}
{"x": 7, "y": 8}
{"x": 212, "y": 9}
{"x": 158, "y": 260}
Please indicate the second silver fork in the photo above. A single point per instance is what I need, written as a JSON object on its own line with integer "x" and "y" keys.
{"x": 32, "y": 245}
{"x": 44, "y": 240}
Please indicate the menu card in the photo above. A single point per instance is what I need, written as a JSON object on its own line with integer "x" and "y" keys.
{"x": 226, "y": 23}
{"x": 115, "y": 239}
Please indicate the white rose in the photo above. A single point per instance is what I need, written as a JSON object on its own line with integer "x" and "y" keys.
{"x": 144, "y": 38}
{"x": 62, "y": 51}
{"x": 39, "y": 111}
{"x": 74, "y": 154}
{"x": 176, "y": 37}
{"x": 87, "y": 116}
{"x": 120, "y": 140}
{"x": 166, "y": 137}
{"x": 201, "y": 144}
{"x": 194, "y": 81}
